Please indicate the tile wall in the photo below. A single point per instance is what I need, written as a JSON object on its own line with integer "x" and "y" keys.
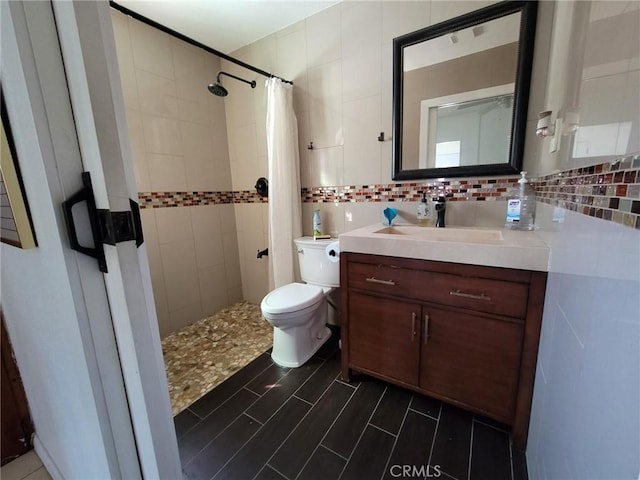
{"x": 179, "y": 142}
{"x": 585, "y": 418}
{"x": 340, "y": 62}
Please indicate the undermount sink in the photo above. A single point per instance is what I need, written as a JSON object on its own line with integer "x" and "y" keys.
{"x": 466, "y": 235}
{"x": 487, "y": 246}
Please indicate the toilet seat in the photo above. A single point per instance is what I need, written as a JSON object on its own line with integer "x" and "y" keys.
{"x": 292, "y": 297}
{"x": 290, "y": 319}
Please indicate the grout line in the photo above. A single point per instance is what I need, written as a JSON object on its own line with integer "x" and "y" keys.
{"x": 425, "y": 414}
{"x": 246, "y": 386}
{"x": 305, "y": 401}
{"x": 470, "y": 451}
{"x": 277, "y": 409}
{"x": 259, "y": 395}
{"x": 243, "y": 386}
{"x": 489, "y": 425}
{"x": 290, "y": 433}
{"x": 322, "y": 363}
{"x": 307, "y": 414}
{"x": 266, "y": 465}
{"x": 325, "y": 436}
{"x": 418, "y": 411}
{"x": 252, "y": 418}
{"x": 345, "y": 383}
{"x": 448, "y": 476}
{"x": 252, "y": 436}
{"x": 394, "y": 435}
{"x": 222, "y": 431}
{"x": 511, "y": 458}
{"x": 404, "y": 418}
{"x": 362, "y": 433}
{"x": 435, "y": 434}
{"x": 334, "y": 452}
{"x": 197, "y": 416}
{"x": 311, "y": 456}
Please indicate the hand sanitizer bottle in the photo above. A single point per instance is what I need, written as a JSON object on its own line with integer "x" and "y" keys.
{"x": 521, "y": 206}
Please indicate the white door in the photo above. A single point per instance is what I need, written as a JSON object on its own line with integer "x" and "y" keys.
{"x": 86, "y": 342}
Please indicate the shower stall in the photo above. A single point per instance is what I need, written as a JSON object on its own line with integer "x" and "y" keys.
{"x": 202, "y": 226}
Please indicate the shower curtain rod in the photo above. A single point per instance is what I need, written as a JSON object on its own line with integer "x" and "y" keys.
{"x": 191, "y": 41}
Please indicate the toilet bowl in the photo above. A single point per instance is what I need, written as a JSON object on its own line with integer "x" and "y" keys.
{"x": 298, "y": 311}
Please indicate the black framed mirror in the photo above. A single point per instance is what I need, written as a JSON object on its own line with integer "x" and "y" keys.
{"x": 461, "y": 93}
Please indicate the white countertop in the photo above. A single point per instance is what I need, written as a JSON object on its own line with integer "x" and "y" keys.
{"x": 492, "y": 247}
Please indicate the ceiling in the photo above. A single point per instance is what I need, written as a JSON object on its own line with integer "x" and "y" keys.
{"x": 226, "y": 25}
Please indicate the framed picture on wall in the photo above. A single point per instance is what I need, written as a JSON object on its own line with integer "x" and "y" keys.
{"x": 16, "y": 227}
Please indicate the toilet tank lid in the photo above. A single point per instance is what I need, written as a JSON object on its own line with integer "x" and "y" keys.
{"x": 311, "y": 242}
{"x": 291, "y": 297}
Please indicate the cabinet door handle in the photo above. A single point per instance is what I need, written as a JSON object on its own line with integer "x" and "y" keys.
{"x": 376, "y": 280}
{"x": 413, "y": 326}
{"x": 482, "y": 296}
{"x": 426, "y": 329}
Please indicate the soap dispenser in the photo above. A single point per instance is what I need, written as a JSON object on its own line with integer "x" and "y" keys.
{"x": 424, "y": 211}
{"x": 521, "y": 206}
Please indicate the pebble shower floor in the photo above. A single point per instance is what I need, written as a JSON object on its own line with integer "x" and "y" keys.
{"x": 201, "y": 356}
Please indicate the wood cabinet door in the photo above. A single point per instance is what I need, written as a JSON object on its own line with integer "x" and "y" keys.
{"x": 471, "y": 359}
{"x": 384, "y": 336}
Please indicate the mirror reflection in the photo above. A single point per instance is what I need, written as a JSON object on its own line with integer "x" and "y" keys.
{"x": 439, "y": 87}
{"x": 459, "y": 89}
{"x": 471, "y": 132}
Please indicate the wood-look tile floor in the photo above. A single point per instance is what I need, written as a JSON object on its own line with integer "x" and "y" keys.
{"x": 206, "y": 353}
{"x": 268, "y": 422}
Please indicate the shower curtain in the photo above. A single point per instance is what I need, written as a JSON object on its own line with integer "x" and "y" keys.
{"x": 284, "y": 182}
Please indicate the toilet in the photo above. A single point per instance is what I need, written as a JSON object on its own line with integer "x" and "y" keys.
{"x": 298, "y": 311}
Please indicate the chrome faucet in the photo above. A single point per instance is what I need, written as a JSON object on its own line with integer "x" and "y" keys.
{"x": 441, "y": 207}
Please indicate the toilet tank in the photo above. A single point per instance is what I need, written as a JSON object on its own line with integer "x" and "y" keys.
{"x": 315, "y": 266}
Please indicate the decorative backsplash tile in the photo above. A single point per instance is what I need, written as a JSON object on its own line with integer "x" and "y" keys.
{"x": 192, "y": 199}
{"x": 455, "y": 190}
{"x": 610, "y": 191}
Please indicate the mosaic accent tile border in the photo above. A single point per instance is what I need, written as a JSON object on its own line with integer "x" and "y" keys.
{"x": 610, "y": 191}
{"x": 455, "y": 190}
{"x": 192, "y": 199}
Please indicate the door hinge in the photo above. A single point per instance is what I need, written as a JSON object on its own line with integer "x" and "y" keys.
{"x": 106, "y": 226}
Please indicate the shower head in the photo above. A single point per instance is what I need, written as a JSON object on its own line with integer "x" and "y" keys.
{"x": 220, "y": 91}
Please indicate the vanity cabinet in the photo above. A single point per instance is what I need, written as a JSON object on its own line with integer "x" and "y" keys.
{"x": 465, "y": 334}
{"x": 472, "y": 359}
{"x": 384, "y": 336}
